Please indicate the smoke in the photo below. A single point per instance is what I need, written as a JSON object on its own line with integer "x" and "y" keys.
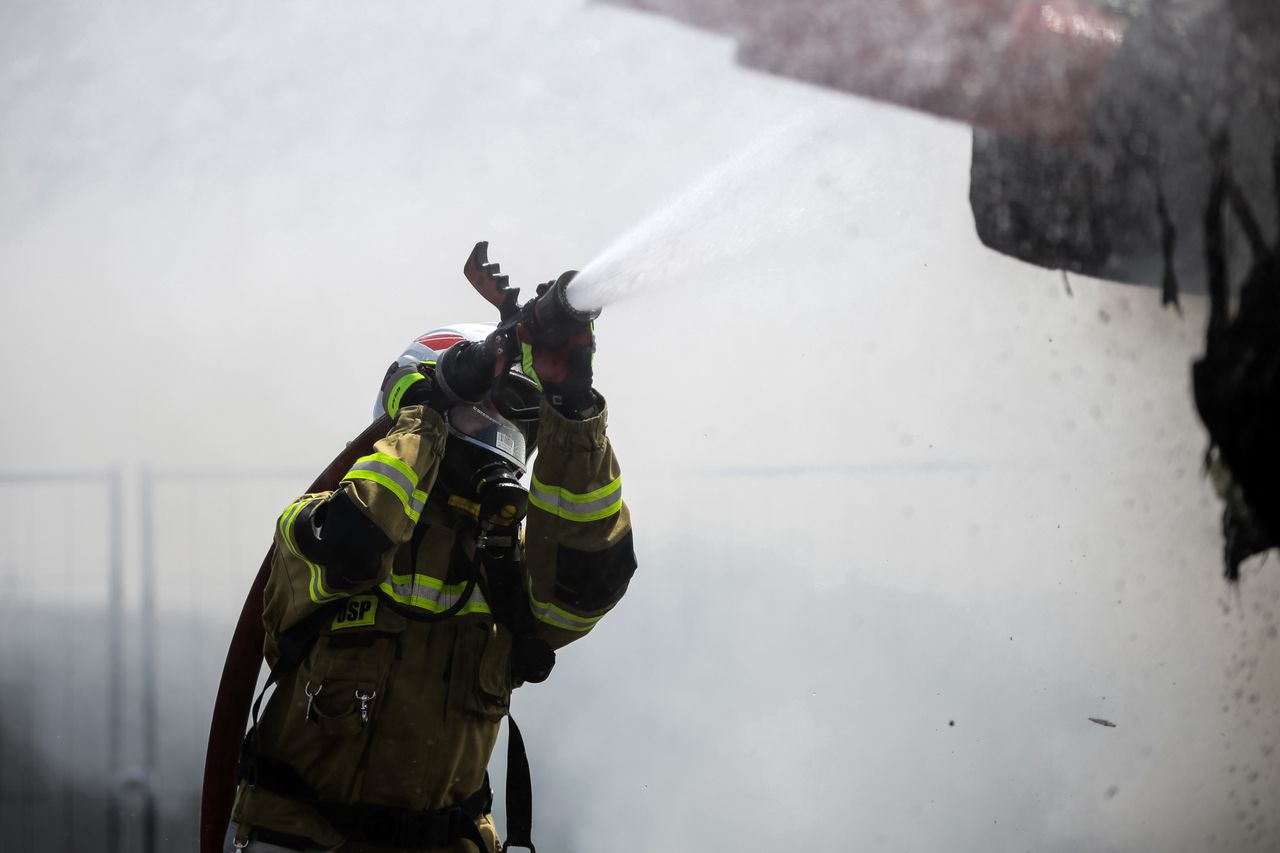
{"x": 882, "y": 479}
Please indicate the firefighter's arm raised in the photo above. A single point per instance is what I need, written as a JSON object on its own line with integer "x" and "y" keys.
{"x": 342, "y": 542}
{"x": 578, "y": 551}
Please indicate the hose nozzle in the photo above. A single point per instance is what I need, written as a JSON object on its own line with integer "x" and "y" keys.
{"x": 556, "y": 316}
{"x": 470, "y": 371}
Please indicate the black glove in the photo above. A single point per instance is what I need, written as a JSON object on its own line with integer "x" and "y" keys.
{"x": 561, "y": 366}
{"x": 413, "y": 385}
{"x": 531, "y": 659}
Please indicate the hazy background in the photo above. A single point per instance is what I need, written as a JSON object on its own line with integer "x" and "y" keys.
{"x": 883, "y": 480}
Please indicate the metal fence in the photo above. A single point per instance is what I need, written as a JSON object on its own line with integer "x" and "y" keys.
{"x": 62, "y": 672}
{"x": 119, "y": 596}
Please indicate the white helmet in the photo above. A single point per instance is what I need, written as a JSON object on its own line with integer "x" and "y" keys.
{"x": 427, "y": 348}
{"x": 484, "y": 424}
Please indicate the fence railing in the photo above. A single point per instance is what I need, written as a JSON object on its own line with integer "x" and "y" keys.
{"x": 111, "y": 645}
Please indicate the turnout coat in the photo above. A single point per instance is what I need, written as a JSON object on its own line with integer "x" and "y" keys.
{"x": 398, "y": 701}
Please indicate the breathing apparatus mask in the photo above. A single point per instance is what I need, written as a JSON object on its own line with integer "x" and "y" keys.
{"x": 485, "y": 456}
{"x": 489, "y": 441}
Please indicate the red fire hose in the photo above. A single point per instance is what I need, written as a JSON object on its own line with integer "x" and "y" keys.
{"x": 244, "y": 661}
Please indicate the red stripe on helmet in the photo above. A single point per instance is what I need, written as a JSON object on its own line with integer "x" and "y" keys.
{"x": 439, "y": 341}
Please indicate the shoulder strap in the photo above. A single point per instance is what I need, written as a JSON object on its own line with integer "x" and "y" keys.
{"x": 244, "y": 662}
{"x": 294, "y": 645}
{"x": 519, "y": 792}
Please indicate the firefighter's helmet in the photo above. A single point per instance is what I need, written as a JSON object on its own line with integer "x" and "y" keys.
{"x": 480, "y": 424}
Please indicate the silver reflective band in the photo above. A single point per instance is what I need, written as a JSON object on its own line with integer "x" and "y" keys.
{"x": 394, "y": 475}
{"x": 428, "y": 593}
{"x": 558, "y": 617}
{"x": 592, "y": 506}
{"x": 390, "y": 472}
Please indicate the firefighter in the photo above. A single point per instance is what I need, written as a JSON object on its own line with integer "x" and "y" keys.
{"x": 403, "y": 607}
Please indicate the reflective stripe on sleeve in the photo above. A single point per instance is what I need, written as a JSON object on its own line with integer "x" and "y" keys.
{"x": 557, "y": 617}
{"x": 526, "y": 364}
{"x": 431, "y": 594}
{"x": 394, "y": 475}
{"x": 315, "y": 588}
{"x": 591, "y": 506}
{"x": 396, "y": 394}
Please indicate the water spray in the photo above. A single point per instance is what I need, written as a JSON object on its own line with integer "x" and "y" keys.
{"x": 725, "y": 216}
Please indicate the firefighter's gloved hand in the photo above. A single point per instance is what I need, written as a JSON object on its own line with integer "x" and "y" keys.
{"x": 412, "y": 385}
{"x": 561, "y": 366}
{"x": 531, "y": 659}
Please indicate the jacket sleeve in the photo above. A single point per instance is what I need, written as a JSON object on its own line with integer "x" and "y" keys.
{"x": 333, "y": 544}
{"x": 578, "y": 550}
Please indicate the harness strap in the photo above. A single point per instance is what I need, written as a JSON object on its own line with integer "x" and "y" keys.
{"x": 293, "y": 647}
{"x": 384, "y": 826}
{"x": 519, "y": 792}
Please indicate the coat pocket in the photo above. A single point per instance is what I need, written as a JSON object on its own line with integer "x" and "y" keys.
{"x": 481, "y": 670}
{"x": 340, "y": 706}
{"x": 348, "y": 668}
{"x": 335, "y": 704}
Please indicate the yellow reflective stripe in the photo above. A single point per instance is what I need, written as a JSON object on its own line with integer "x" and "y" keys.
{"x": 315, "y": 588}
{"x": 425, "y": 580}
{"x": 395, "y": 462}
{"x": 382, "y": 480}
{"x": 285, "y": 524}
{"x": 558, "y": 617}
{"x": 574, "y": 497}
{"x": 588, "y": 506}
{"x": 431, "y": 594}
{"x": 397, "y": 392}
{"x": 390, "y": 466}
{"x": 412, "y": 504}
{"x": 526, "y": 364}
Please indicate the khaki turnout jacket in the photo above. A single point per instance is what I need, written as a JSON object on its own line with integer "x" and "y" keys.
{"x": 394, "y": 705}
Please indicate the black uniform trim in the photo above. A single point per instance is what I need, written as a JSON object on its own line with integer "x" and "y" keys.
{"x": 337, "y": 535}
{"x": 593, "y": 580}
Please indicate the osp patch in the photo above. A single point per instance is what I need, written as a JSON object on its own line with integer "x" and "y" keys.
{"x": 356, "y": 612}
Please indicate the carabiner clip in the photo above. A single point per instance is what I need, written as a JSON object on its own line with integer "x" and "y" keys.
{"x": 310, "y": 716}
{"x": 365, "y": 699}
